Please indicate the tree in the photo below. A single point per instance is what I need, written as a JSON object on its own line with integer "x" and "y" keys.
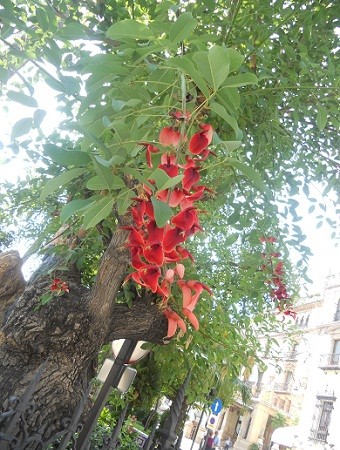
{"x": 124, "y": 71}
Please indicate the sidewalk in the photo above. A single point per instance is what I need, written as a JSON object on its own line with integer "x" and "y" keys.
{"x": 186, "y": 444}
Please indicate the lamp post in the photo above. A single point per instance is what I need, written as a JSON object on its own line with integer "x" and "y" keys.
{"x": 126, "y": 352}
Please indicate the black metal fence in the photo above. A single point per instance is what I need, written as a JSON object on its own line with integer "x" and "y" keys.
{"x": 75, "y": 435}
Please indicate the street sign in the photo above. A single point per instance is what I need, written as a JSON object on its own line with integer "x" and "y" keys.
{"x": 216, "y": 406}
{"x": 212, "y": 422}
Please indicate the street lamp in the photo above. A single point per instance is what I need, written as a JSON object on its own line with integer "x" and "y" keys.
{"x": 114, "y": 374}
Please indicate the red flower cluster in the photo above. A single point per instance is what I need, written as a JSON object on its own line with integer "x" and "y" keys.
{"x": 59, "y": 287}
{"x": 276, "y": 269}
{"x": 157, "y": 252}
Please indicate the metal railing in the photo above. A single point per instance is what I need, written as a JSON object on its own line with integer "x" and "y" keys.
{"x": 331, "y": 360}
{"x": 283, "y": 387}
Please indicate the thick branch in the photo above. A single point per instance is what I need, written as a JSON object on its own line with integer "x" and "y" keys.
{"x": 12, "y": 282}
{"x": 112, "y": 271}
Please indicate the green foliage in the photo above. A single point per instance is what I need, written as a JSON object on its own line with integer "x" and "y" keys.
{"x": 278, "y": 421}
{"x": 254, "y": 447}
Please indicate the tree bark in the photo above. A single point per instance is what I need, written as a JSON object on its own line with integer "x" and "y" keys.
{"x": 12, "y": 282}
{"x": 69, "y": 332}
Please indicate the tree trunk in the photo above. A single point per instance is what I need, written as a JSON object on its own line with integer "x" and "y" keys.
{"x": 68, "y": 332}
{"x": 12, "y": 282}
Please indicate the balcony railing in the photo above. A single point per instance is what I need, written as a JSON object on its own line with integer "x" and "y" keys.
{"x": 330, "y": 361}
{"x": 292, "y": 356}
{"x": 283, "y": 388}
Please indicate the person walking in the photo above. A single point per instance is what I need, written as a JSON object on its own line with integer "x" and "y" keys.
{"x": 210, "y": 440}
{"x": 228, "y": 444}
{"x": 216, "y": 442}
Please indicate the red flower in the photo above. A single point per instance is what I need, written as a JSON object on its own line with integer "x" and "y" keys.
{"x": 136, "y": 262}
{"x": 184, "y": 253}
{"x": 135, "y": 238}
{"x": 172, "y": 238}
{"x": 185, "y": 219}
{"x": 155, "y": 234}
{"x": 150, "y": 149}
{"x": 138, "y": 211}
{"x": 191, "y": 176}
{"x": 60, "y": 286}
{"x": 169, "y": 137}
{"x": 154, "y": 254}
{"x": 278, "y": 269}
{"x": 146, "y": 276}
{"x": 179, "y": 115}
{"x": 176, "y": 197}
{"x": 169, "y": 164}
{"x": 201, "y": 140}
{"x": 174, "y": 321}
{"x": 191, "y": 317}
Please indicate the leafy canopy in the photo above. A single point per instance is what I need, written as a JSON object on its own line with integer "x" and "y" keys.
{"x": 264, "y": 77}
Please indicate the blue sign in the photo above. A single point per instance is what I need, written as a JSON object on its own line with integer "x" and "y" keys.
{"x": 216, "y": 406}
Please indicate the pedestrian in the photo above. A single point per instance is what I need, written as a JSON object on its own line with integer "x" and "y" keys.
{"x": 216, "y": 443}
{"x": 228, "y": 444}
{"x": 210, "y": 440}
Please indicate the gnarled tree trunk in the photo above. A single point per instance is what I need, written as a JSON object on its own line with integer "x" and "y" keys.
{"x": 68, "y": 332}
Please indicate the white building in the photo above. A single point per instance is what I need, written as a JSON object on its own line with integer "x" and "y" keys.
{"x": 303, "y": 381}
{"x": 301, "y": 384}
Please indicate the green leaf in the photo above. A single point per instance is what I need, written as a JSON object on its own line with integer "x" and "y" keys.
{"x": 124, "y": 200}
{"x": 162, "y": 179}
{"x": 182, "y": 28}
{"x": 97, "y": 184}
{"x": 230, "y": 98}
{"x": 162, "y": 211}
{"x": 38, "y": 117}
{"x": 72, "y": 31}
{"x": 98, "y": 212}
{"x": 115, "y": 160}
{"x": 213, "y": 65}
{"x": 76, "y": 206}
{"x": 4, "y": 75}
{"x": 42, "y": 19}
{"x": 241, "y": 80}
{"x": 230, "y": 145}
{"x": 138, "y": 176}
{"x": 321, "y": 118}
{"x": 23, "y": 126}
{"x": 221, "y": 111}
{"x": 172, "y": 182}
{"x": 129, "y": 28}
{"x": 66, "y": 157}
{"x": 188, "y": 67}
{"x": 108, "y": 180}
{"x": 252, "y": 175}
{"x": 23, "y": 99}
{"x": 61, "y": 180}
{"x": 71, "y": 84}
{"x": 235, "y": 58}
{"x": 54, "y": 84}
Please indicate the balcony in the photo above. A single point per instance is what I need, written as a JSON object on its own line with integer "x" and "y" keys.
{"x": 330, "y": 362}
{"x": 292, "y": 356}
{"x": 283, "y": 388}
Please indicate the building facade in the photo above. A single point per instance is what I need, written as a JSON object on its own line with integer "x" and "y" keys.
{"x": 301, "y": 385}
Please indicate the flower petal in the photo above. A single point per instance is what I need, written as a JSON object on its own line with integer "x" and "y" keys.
{"x": 191, "y": 317}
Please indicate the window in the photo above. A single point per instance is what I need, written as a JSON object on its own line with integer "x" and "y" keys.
{"x": 337, "y": 312}
{"x": 322, "y": 418}
{"x": 335, "y": 357}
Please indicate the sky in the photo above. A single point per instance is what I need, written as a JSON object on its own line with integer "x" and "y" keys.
{"x": 325, "y": 254}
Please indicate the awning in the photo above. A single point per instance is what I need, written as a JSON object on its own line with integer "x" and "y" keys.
{"x": 286, "y": 436}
